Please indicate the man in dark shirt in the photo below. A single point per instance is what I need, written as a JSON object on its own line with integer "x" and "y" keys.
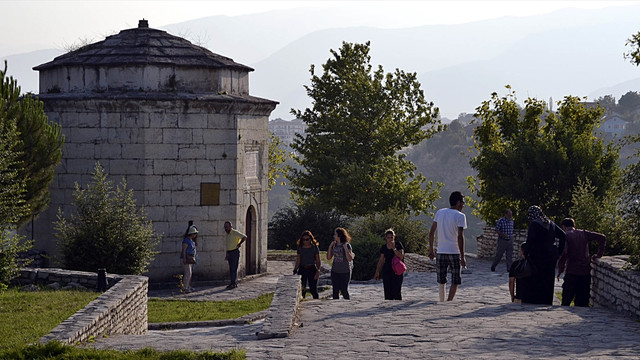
{"x": 577, "y": 279}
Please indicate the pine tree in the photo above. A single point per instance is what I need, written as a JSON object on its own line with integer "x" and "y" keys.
{"x": 12, "y": 187}
{"x": 107, "y": 230}
{"x": 39, "y": 148}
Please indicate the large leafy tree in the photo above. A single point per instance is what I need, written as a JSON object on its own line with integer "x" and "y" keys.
{"x": 534, "y": 157}
{"x": 359, "y": 120}
{"x": 40, "y": 147}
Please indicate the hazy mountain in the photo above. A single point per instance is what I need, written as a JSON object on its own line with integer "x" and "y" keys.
{"x": 549, "y": 56}
{"x": 20, "y": 66}
{"x": 572, "y": 51}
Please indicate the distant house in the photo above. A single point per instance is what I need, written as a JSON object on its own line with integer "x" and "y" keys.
{"x": 614, "y": 124}
{"x": 286, "y": 130}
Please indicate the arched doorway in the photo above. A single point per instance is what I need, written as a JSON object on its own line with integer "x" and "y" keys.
{"x": 251, "y": 254}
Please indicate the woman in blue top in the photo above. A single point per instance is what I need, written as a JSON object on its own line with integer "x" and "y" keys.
{"x": 308, "y": 263}
{"x": 187, "y": 255}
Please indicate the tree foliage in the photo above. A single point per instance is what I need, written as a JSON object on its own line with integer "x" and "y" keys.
{"x": 411, "y": 232}
{"x": 39, "y": 148}
{"x": 288, "y": 223}
{"x": 12, "y": 184}
{"x": 277, "y": 157}
{"x": 607, "y": 219}
{"x": 533, "y": 157}
{"x": 631, "y": 206}
{"x": 633, "y": 54}
{"x": 107, "y": 230}
{"x": 359, "y": 121}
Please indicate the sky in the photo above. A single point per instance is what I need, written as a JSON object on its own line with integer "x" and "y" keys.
{"x": 34, "y": 25}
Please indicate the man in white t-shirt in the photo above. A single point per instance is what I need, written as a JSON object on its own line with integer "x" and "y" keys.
{"x": 450, "y": 223}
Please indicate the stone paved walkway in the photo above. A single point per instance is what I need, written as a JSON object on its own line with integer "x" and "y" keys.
{"x": 480, "y": 323}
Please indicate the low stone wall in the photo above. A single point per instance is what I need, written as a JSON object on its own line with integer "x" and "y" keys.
{"x": 615, "y": 288}
{"x": 271, "y": 256}
{"x": 283, "y": 310}
{"x": 488, "y": 243}
{"x": 122, "y": 309}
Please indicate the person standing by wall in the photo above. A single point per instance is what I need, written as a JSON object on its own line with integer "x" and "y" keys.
{"x": 504, "y": 229}
{"x": 391, "y": 282}
{"x": 342, "y": 253}
{"x": 577, "y": 279}
{"x": 543, "y": 254}
{"x": 188, "y": 257}
{"x": 233, "y": 240}
{"x": 450, "y": 224}
{"x": 308, "y": 263}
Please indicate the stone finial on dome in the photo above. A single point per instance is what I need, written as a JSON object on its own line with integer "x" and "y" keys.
{"x": 143, "y": 24}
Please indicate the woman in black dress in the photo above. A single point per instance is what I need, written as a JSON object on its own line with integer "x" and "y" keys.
{"x": 391, "y": 281}
{"x": 543, "y": 253}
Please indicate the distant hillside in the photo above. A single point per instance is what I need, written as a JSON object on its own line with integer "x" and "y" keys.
{"x": 572, "y": 51}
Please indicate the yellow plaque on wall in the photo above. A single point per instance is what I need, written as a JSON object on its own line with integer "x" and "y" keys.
{"x": 209, "y": 194}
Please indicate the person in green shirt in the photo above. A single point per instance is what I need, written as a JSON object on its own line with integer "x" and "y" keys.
{"x": 234, "y": 240}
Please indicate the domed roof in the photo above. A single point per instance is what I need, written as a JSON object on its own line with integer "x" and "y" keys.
{"x": 143, "y": 46}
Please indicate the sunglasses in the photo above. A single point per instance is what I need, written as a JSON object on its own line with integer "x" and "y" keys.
{"x": 306, "y": 239}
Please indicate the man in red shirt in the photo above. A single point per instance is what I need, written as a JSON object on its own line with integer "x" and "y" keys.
{"x": 577, "y": 279}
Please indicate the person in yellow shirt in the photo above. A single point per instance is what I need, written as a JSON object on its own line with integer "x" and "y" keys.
{"x": 234, "y": 240}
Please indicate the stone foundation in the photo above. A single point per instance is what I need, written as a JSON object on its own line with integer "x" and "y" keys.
{"x": 122, "y": 309}
{"x": 615, "y": 288}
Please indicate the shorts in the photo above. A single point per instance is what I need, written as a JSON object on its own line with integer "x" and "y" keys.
{"x": 444, "y": 261}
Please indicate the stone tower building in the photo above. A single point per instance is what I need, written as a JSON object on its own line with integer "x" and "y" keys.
{"x": 178, "y": 123}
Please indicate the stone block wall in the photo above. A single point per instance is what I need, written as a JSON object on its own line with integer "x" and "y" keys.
{"x": 615, "y": 288}
{"x": 487, "y": 242}
{"x": 122, "y": 309}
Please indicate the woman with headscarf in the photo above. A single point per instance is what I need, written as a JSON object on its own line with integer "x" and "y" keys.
{"x": 543, "y": 254}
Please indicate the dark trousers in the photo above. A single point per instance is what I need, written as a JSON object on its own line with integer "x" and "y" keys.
{"x": 504, "y": 247}
{"x": 308, "y": 275}
{"x": 576, "y": 287}
{"x": 234, "y": 258}
{"x": 340, "y": 282}
{"x": 392, "y": 284}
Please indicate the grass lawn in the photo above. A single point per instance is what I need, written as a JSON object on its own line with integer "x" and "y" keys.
{"x": 27, "y": 316}
{"x": 161, "y": 310}
{"x": 57, "y": 351}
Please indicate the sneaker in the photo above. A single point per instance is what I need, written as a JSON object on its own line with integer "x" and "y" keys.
{"x": 232, "y": 286}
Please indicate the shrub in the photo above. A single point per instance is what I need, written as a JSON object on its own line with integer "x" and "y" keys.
{"x": 288, "y": 223}
{"x": 412, "y": 233}
{"x": 367, "y": 249}
{"x": 107, "y": 230}
{"x": 11, "y": 245}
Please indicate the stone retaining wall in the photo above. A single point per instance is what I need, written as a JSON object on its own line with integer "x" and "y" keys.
{"x": 122, "y": 309}
{"x": 488, "y": 242}
{"x": 283, "y": 310}
{"x": 615, "y": 288}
